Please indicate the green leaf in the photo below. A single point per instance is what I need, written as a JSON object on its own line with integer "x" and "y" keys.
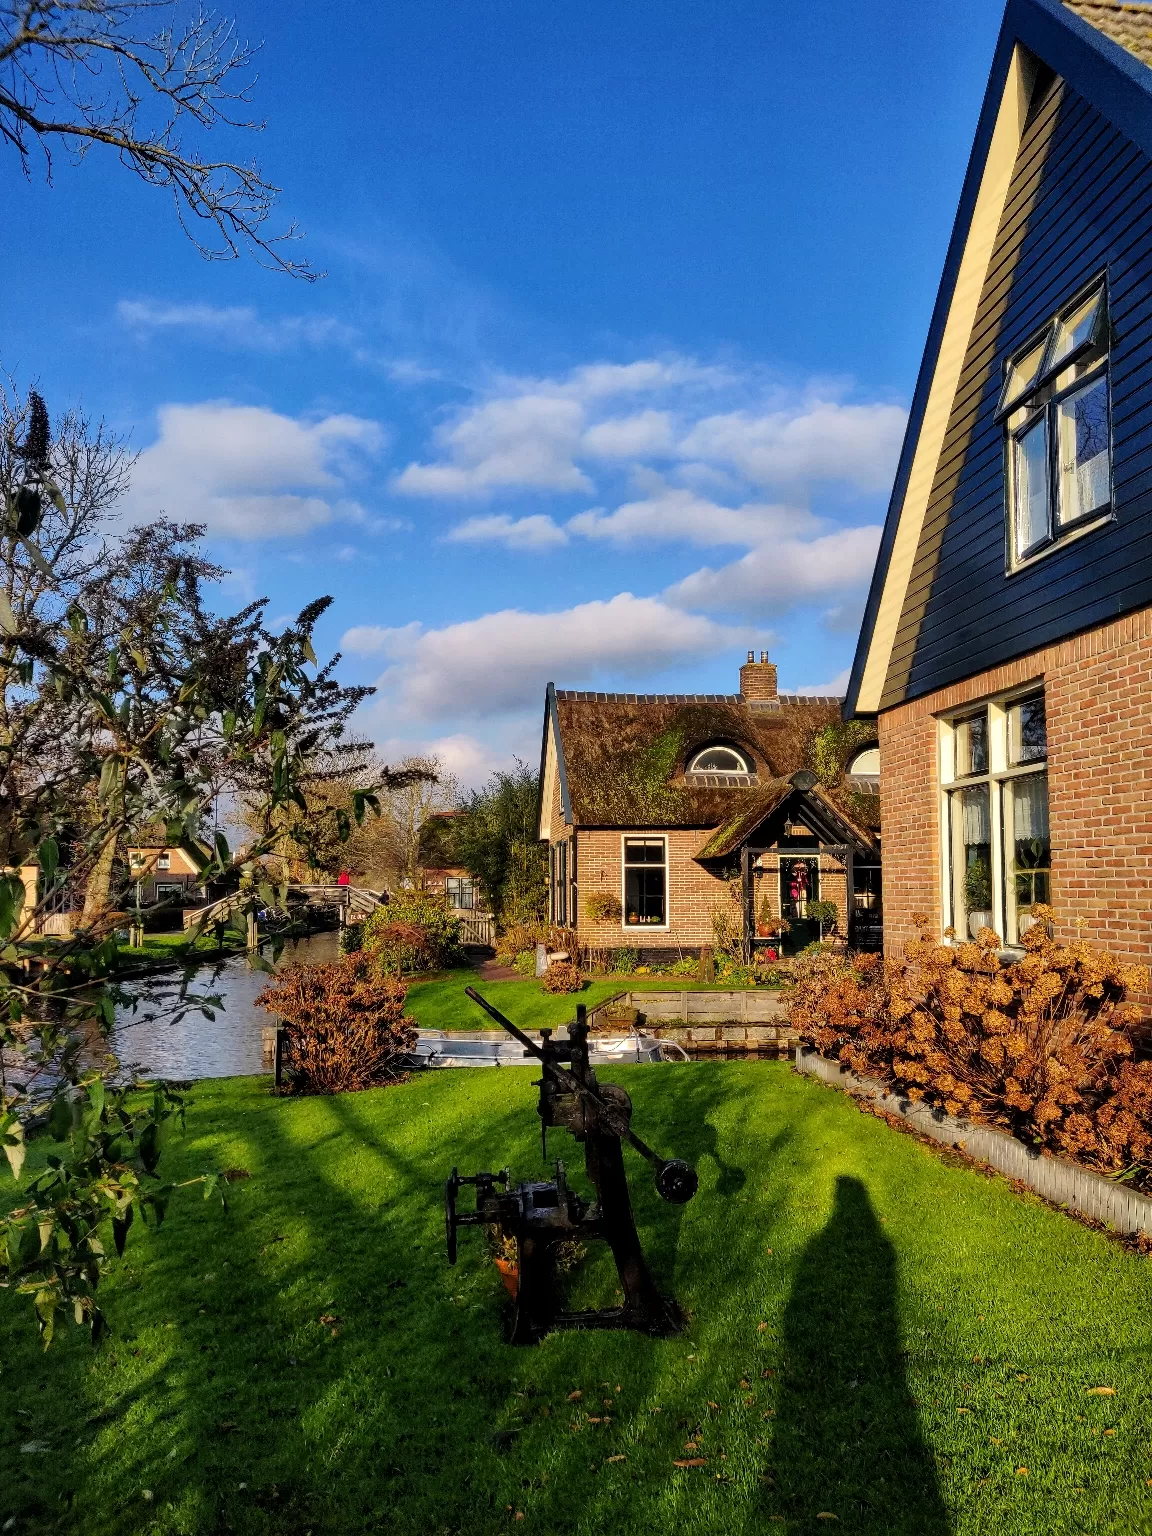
{"x": 23, "y": 1242}
{"x": 120, "y": 1228}
{"x": 223, "y": 852}
{"x": 37, "y": 558}
{"x": 149, "y": 1146}
{"x": 257, "y": 962}
{"x": 12, "y": 1138}
{"x": 96, "y": 1095}
{"x": 229, "y": 723}
{"x": 49, "y": 856}
{"x": 60, "y": 1118}
{"x": 309, "y": 653}
{"x": 7, "y": 618}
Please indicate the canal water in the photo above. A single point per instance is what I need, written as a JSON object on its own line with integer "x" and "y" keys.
{"x": 157, "y": 1039}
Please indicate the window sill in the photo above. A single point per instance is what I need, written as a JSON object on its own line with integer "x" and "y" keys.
{"x": 1093, "y": 525}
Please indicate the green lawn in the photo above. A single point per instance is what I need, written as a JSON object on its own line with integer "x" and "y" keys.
{"x": 439, "y": 1003}
{"x": 874, "y": 1335}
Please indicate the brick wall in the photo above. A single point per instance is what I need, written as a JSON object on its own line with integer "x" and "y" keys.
{"x": 1098, "y": 688}
{"x": 693, "y": 891}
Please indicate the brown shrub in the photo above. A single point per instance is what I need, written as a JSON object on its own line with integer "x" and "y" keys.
{"x": 344, "y": 1025}
{"x": 562, "y": 976}
{"x": 1043, "y": 1046}
{"x": 518, "y": 937}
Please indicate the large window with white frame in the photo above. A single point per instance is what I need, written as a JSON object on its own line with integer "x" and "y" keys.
{"x": 1054, "y": 404}
{"x": 645, "y": 882}
{"x": 995, "y": 834}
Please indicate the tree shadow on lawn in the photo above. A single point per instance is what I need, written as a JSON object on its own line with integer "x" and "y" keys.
{"x": 847, "y": 1440}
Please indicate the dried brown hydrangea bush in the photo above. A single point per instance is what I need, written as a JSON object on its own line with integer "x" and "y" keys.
{"x": 562, "y": 976}
{"x": 1045, "y": 1046}
{"x": 344, "y": 1025}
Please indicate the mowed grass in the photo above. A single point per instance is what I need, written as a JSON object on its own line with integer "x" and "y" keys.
{"x": 439, "y": 1003}
{"x": 875, "y": 1334}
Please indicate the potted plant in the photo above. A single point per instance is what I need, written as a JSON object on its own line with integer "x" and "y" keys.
{"x": 825, "y": 914}
{"x": 633, "y": 917}
{"x": 978, "y": 895}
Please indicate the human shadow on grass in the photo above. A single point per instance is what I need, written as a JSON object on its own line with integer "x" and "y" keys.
{"x": 847, "y": 1440}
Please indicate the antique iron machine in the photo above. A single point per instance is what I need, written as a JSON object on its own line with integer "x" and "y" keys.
{"x": 542, "y": 1216}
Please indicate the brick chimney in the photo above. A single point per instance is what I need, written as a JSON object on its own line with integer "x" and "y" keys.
{"x": 758, "y": 678}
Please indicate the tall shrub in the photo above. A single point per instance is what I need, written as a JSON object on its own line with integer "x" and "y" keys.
{"x": 413, "y": 932}
{"x": 344, "y": 1025}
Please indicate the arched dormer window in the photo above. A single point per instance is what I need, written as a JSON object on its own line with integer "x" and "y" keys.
{"x": 864, "y": 769}
{"x": 719, "y": 759}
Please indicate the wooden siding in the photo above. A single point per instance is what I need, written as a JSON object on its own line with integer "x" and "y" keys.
{"x": 1080, "y": 203}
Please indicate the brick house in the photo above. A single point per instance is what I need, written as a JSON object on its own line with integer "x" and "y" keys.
{"x": 439, "y": 869}
{"x": 1006, "y": 648}
{"x": 168, "y": 874}
{"x": 667, "y": 813}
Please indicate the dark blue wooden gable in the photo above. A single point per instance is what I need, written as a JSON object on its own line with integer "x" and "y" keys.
{"x": 1080, "y": 203}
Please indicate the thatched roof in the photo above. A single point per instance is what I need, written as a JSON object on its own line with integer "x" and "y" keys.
{"x": 624, "y": 756}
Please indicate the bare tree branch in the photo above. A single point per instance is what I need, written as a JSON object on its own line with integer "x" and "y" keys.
{"x": 87, "y": 72}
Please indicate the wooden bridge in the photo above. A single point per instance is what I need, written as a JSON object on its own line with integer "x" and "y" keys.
{"x": 353, "y": 902}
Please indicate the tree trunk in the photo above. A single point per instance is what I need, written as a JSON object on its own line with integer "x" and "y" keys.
{"x": 97, "y": 892}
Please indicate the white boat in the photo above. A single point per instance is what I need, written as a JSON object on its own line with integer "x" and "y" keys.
{"x": 488, "y": 1048}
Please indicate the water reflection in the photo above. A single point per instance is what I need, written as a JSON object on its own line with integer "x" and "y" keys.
{"x": 151, "y": 1041}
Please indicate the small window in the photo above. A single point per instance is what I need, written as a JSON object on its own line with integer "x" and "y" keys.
{"x": 1055, "y": 405}
{"x": 864, "y": 769}
{"x": 1027, "y": 732}
{"x": 169, "y": 890}
{"x": 461, "y": 892}
{"x": 163, "y": 861}
{"x": 645, "y": 882}
{"x": 972, "y": 745}
{"x": 719, "y": 760}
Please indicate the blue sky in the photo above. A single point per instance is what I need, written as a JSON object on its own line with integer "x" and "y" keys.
{"x": 607, "y": 377}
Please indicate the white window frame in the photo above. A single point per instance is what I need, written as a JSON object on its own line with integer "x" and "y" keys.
{"x": 997, "y": 773}
{"x": 648, "y": 837}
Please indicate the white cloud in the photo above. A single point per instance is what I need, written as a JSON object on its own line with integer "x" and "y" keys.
{"x": 820, "y": 440}
{"x": 644, "y": 435}
{"x": 236, "y": 326}
{"x": 248, "y": 472}
{"x": 836, "y": 689}
{"x": 551, "y": 434}
{"x": 676, "y": 514}
{"x": 530, "y": 533}
{"x": 782, "y": 573}
{"x": 528, "y": 441}
{"x": 500, "y": 662}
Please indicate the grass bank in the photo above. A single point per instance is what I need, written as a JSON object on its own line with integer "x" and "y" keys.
{"x": 875, "y": 1335}
{"x": 439, "y": 1002}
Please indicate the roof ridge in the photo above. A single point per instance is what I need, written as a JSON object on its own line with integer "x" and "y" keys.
{"x": 587, "y": 696}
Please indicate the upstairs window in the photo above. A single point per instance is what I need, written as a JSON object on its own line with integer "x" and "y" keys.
{"x": 461, "y": 891}
{"x": 719, "y": 760}
{"x": 1055, "y": 407}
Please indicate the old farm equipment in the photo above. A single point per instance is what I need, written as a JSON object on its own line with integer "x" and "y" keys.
{"x": 540, "y": 1217}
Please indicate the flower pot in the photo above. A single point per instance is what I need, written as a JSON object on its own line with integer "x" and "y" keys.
{"x": 510, "y": 1274}
{"x": 763, "y": 931}
{"x": 633, "y": 918}
{"x": 978, "y": 920}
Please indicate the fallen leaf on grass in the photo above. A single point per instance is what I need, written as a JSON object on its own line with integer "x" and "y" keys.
{"x": 611, "y": 1459}
{"x": 1109, "y": 1431}
{"x": 233, "y": 1175}
{"x": 711, "y": 1404}
{"x": 1101, "y": 1391}
{"x": 574, "y": 1397}
{"x": 761, "y": 1327}
{"x": 826, "y": 1514}
{"x": 1021, "y": 1471}
{"x": 963, "y": 1410}
{"x": 691, "y": 1461}
{"x": 745, "y": 1383}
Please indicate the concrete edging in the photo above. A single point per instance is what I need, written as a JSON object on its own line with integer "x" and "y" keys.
{"x": 1063, "y": 1183}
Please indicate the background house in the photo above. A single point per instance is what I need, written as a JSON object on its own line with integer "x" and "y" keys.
{"x": 439, "y": 867}
{"x": 170, "y": 875}
{"x": 1006, "y": 651}
{"x": 668, "y": 816}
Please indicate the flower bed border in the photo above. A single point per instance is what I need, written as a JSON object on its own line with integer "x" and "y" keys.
{"x": 1063, "y": 1183}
